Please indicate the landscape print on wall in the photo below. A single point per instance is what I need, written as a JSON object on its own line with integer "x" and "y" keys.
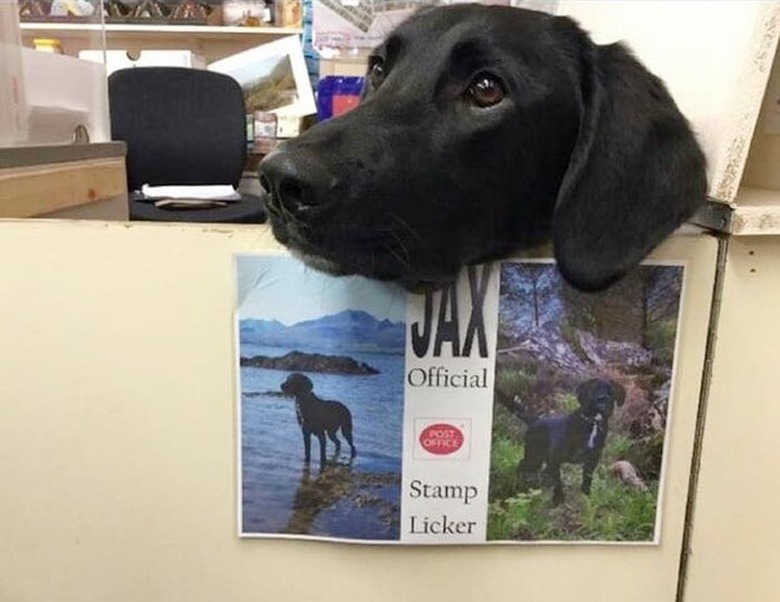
{"x": 321, "y": 402}
{"x": 273, "y": 77}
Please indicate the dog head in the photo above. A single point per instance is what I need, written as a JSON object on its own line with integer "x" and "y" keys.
{"x": 598, "y": 397}
{"x": 297, "y": 385}
{"x": 485, "y": 130}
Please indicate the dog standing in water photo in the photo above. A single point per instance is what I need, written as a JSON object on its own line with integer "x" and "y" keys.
{"x": 318, "y": 417}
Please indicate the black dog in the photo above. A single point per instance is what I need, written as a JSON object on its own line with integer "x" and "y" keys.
{"x": 484, "y": 130}
{"x": 318, "y": 417}
{"x": 577, "y": 437}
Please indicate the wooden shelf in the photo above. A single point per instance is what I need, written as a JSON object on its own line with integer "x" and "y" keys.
{"x": 113, "y": 30}
{"x": 211, "y": 41}
{"x": 756, "y": 212}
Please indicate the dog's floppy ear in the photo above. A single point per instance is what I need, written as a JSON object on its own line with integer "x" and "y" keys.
{"x": 303, "y": 383}
{"x": 618, "y": 393}
{"x": 636, "y": 172}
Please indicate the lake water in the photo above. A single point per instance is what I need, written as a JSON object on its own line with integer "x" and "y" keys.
{"x": 358, "y": 499}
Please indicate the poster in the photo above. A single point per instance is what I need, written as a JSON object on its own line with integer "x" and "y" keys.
{"x": 507, "y": 408}
{"x": 273, "y": 77}
{"x": 352, "y": 24}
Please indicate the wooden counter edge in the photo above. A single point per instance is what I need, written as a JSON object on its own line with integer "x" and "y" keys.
{"x": 42, "y": 189}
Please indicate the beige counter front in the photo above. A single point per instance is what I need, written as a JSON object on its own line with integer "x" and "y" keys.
{"x": 736, "y": 537}
{"x": 118, "y": 441}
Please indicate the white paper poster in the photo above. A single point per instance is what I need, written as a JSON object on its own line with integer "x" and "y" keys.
{"x": 507, "y": 408}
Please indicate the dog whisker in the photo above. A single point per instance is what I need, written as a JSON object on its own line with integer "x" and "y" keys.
{"x": 402, "y": 246}
{"x": 401, "y": 259}
{"x": 405, "y": 225}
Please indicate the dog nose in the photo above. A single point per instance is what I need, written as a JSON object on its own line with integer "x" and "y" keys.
{"x": 288, "y": 184}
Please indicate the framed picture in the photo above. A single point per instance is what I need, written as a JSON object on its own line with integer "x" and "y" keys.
{"x": 273, "y": 77}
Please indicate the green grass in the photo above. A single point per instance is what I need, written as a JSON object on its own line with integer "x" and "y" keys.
{"x": 567, "y": 402}
{"x": 660, "y": 339}
{"x": 516, "y": 381}
{"x": 612, "y": 512}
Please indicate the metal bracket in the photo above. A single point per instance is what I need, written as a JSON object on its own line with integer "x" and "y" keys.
{"x": 715, "y": 215}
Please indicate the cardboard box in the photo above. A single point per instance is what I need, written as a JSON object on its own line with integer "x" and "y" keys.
{"x": 64, "y": 93}
{"x": 257, "y": 13}
{"x": 251, "y": 13}
{"x": 287, "y": 13}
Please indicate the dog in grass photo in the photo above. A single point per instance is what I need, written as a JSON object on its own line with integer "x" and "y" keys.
{"x": 581, "y": 404}
{"x": 577, "y": 437}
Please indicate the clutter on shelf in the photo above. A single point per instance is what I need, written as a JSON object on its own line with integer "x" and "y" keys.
{"x": 252, "y": 13}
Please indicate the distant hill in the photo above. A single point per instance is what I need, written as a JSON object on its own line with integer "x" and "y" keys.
{"x": 277, "y": 89}
{"x": 297, "y": 361}
{"x": 349, "y": 330}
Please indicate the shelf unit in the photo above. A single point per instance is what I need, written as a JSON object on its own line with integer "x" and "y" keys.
{"x": 756, "y": 212}
{"x": 756, "y": 204}
{"x": 212, "y": 42}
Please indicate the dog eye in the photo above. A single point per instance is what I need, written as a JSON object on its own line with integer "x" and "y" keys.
{"x": 485, "y": 91}
{"x": 376, "y": 71}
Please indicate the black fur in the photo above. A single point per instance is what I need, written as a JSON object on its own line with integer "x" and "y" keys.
{"x": 318, "y": 417}
{"x": 577, "y": 437}
{"x": 586, "y": 149}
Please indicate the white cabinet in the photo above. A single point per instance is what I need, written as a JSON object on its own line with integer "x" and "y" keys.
{"x": 118, "y": 446}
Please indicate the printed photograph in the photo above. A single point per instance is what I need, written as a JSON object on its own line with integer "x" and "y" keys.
{"x": 321, "y": 370}
{"x": 271, "y": 87}
{"x": 273, "y": 77}
{"x": 581, "y": 405}
{"x": 352, "y": 24}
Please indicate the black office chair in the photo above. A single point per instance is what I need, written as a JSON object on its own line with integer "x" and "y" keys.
{"x": 182, "y": 127}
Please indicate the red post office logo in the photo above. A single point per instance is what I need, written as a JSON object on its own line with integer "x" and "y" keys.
{"x": 441, "y": 439}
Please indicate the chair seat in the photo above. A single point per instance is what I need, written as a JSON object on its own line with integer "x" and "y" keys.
{"x": 249, "y": 210}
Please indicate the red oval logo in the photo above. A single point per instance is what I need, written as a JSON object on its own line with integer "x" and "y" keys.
{"x": 441, "y": 439}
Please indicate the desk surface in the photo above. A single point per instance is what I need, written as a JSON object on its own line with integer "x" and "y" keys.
{"x": 44, "y": 180}
{"x": 26, "y": 156}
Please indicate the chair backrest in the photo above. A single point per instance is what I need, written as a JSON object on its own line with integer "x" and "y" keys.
{"x": 182, "y": 126}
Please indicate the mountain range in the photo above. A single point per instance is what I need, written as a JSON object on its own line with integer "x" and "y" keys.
{"x": 352, "y": 330}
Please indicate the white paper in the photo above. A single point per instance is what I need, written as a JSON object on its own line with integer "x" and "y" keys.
{"x": 460, "y": 404}
{"x": 220, "y": 192}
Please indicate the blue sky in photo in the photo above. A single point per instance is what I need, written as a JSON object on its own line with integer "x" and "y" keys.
{"x": 285, "y": 289}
